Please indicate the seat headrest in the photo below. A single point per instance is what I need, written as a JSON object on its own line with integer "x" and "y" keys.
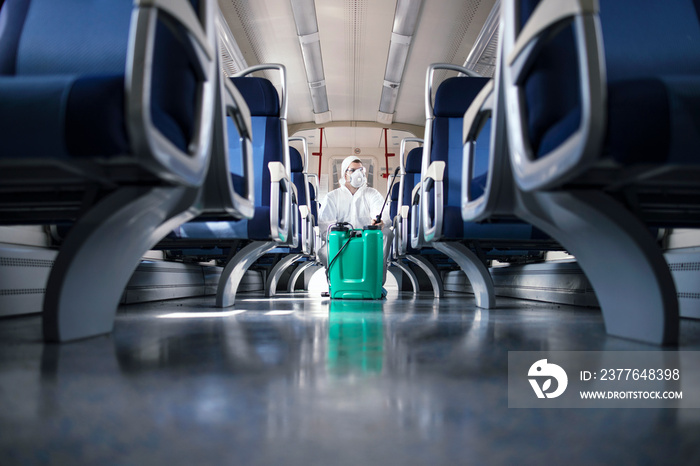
{"x": 260, "y": 95}
{"x": 413, "y": 160}
{"x": 455, "y": 95}
{"x": 296, "y": 163}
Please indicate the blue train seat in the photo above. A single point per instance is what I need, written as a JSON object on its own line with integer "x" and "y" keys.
{"x": 406, "y": 210}
{"x": 273, "y": 223}
{"x": 440, "y": 222}
{"x": 306, "y": 217}
{"x": 271, "y": 167}
{"x": 309, "y": 258}
{"x": 489, "y": 222}
{"x": 304, "y": 248}
{"x": 452, "y": 181}
{"x": 633, "y": 105}
{"x": 106, "y": 116}
{"x": 603, "y": 102}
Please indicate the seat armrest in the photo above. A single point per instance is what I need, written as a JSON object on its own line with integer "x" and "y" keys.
{"x": 401, "y": 233}
{"x": 305, "y": 159}
{"x": 547, "y": 15}
{"x": 280, "y": 211}
{"x": 521, "y": 49}
{"x": 277, "y": 172}
{"x": 182, "y": 12}
{"x": 436, "y": 171}
{"x": 196, "y": 32}
{"x": 289, "y": 227}
{"x": 294, "y": 243}
{"x": 481, "y": 109}
{"x": 416, "y": 224}
{"x": 220, "y": 197}
{"x": 432, "y": 182}
{"x": 307, "y": 239}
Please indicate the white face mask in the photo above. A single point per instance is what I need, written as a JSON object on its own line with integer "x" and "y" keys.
{"x": 357, "y": 178}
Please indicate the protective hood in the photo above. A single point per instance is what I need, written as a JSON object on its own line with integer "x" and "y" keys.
{"x": 344, "y": 166}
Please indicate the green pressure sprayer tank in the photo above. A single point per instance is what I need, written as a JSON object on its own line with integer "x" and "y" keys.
{"x": 355, "y": 268}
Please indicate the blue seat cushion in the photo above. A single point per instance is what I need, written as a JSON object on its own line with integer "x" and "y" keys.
{"x": 552, "y": 94}
{"x": 173, "y": 75}
{"x": 267, "y": 147}
{"x": 64, "y": 79}
{"x": 239, "y": 183}
{"x": 662, "y": 130}
{"x": 298, "y": 181}
{"x": 665, "y": 129}
{"x": 81, "y": 117}
{"x": 211, "y": 230}
{"x": 652, "y": 64}
{"x": 75, "y": 117}
{"x": 478, "y": 186}
{"x": 454, "y": 228}
{"x": 259, "y": 225}
{"x": 257, "y": 228}
{"x": 95, "y": 118}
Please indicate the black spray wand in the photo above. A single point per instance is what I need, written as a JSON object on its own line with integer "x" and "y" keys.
{"x": 379, "y": 217}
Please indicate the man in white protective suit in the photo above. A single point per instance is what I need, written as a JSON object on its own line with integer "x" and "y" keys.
{"x": 356, "y": 203}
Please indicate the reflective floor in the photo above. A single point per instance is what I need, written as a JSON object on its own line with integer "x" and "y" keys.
{"x": 301, "y": 380}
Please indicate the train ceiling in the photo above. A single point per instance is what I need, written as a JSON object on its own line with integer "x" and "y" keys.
{"x": 355, "y": 37}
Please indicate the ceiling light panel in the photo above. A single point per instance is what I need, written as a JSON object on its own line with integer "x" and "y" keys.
{"x": 406, "y": 16}
{"x": 405, "y": 19}
{"x": 304, "y": 12}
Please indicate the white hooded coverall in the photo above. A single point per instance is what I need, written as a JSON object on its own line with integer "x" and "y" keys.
{"x": 358, "y": 209}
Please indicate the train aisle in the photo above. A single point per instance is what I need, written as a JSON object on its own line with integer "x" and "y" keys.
{"x": 301, "y": 380}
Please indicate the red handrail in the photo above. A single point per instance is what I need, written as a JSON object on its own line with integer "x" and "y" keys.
{"x": 320, "y": 152}
{"x": 387, "y": 154}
